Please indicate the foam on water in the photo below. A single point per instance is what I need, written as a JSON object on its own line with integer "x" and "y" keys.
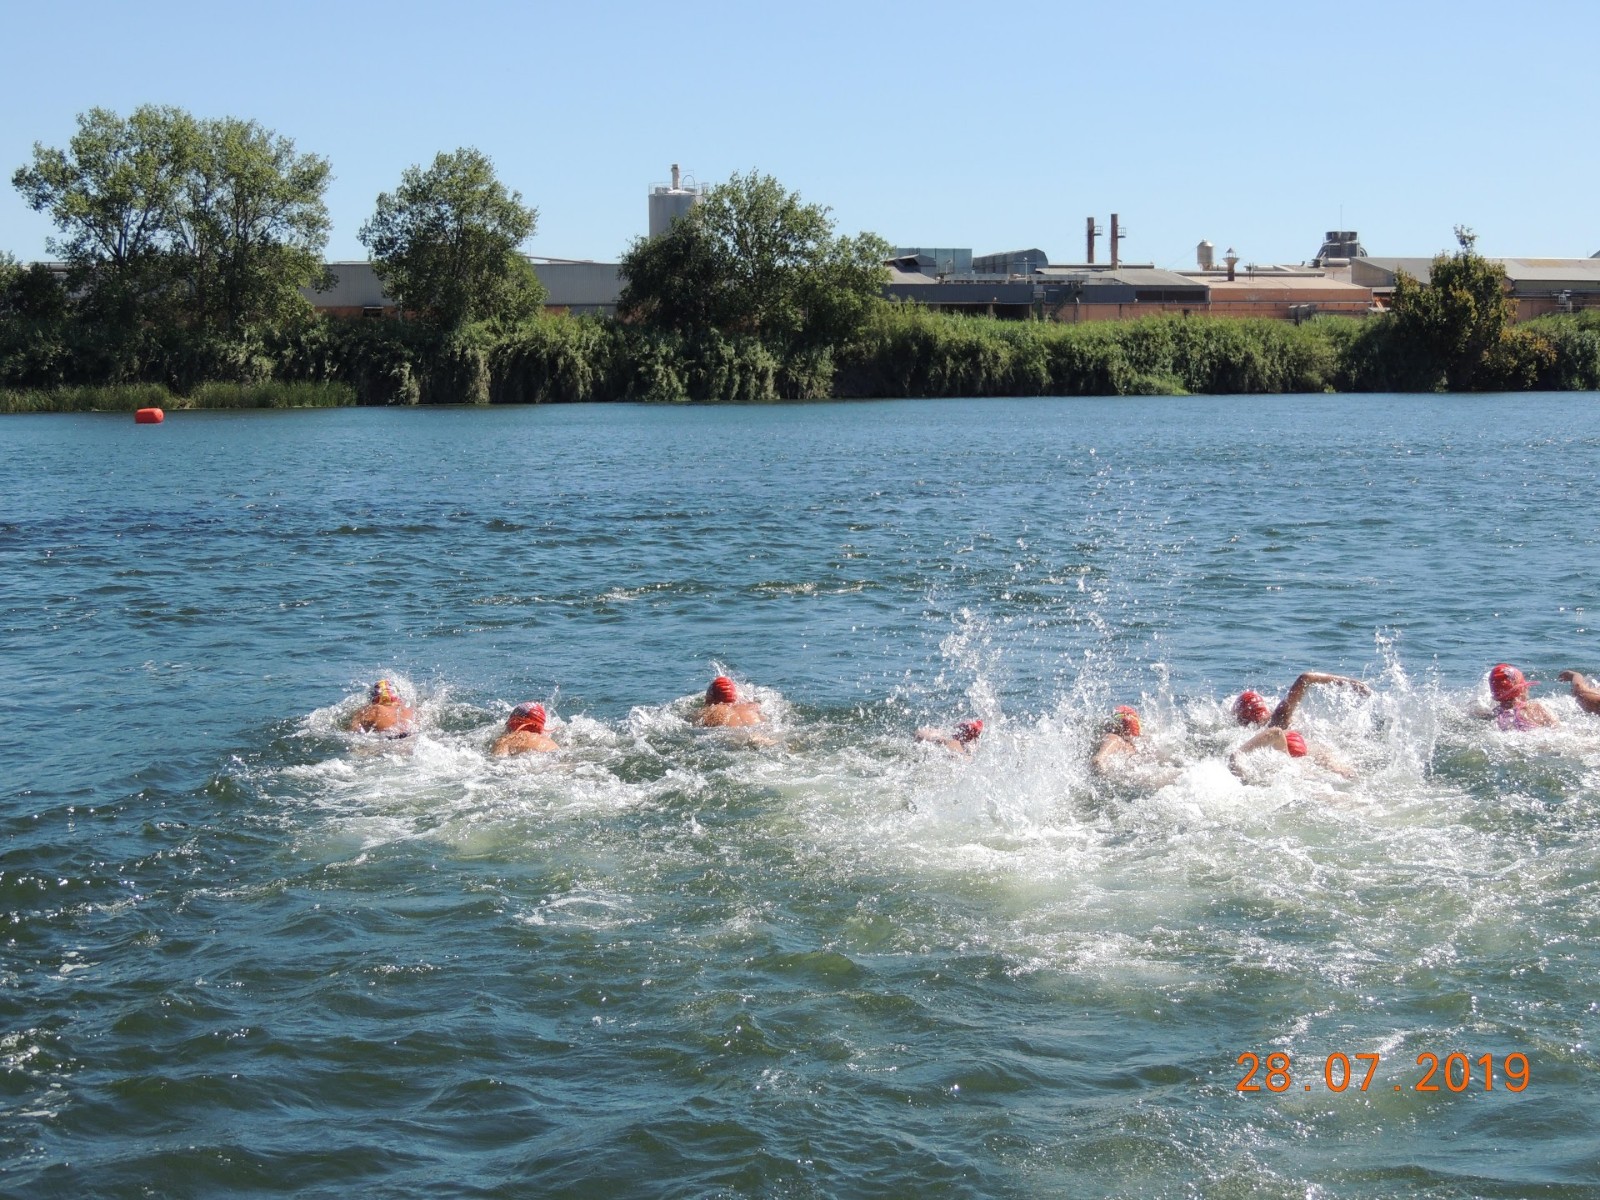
{"x": 1159, "y": 878}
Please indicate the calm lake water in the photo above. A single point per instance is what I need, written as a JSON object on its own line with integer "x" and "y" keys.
{"x": 245, "y": 953}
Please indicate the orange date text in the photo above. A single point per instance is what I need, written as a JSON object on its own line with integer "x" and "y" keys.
{"x": 1455, "y": 1072}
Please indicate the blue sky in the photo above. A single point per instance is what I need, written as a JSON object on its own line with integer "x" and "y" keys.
{"x": 994, "y": 126}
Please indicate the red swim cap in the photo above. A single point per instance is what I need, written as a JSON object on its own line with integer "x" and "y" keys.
{"x": 1506, "y": 683}
{"x": 383, "y": 692}
{"x": 1125, "y": 720}
{"x": 1251, "y": 709}
{"x": 968, "y": 731}
{"x": 721, "y": 691}
{"x": 529, "y": 717}
{"x": 1294, "y": 744}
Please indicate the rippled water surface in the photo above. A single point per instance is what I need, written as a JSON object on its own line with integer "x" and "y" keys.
{"x": 246, "y": 952}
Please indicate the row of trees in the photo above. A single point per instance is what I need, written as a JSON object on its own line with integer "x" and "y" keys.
{"x": 188, "y": 244}
{"x": 219, "y": 222}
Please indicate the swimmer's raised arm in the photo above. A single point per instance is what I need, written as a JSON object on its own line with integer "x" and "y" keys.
{"x": 1284, "y": 713}
{"x": 1584, "y": 692}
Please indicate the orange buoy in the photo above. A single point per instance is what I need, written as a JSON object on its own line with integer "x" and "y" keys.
{"x": 149, "y": 416}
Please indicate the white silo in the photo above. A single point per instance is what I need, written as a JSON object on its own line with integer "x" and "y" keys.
{"x": 1206, "y": 254}
{"x": 668, "y": 202}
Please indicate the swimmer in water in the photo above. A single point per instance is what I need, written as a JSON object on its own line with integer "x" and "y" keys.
{"x": 724, "y": 709}
{"x": 1513, "y": 710}
{"x": 1119, "y": 743}
{"x": 1585, "y": 693}
{"x": 1287, "y": 741}
{"x": 962, "y": 740}
{"x": 385, "y": 713}
{"x": 524, "y": 732}
{"x": 1251, "y": 707}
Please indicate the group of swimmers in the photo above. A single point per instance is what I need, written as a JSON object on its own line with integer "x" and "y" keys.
{"x": 387, "y": 713}
{"x": 1508, "y": 687}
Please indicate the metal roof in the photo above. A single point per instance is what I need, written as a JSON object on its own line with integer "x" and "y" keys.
{"x": 962, "y": 291}
{"x": 1582, "y": 271}
{"x": 1284, "y": 283}
{"x": 1551, "y": 270}
{"x": 1136, "y": 277}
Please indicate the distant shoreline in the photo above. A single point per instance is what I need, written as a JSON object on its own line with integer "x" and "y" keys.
{"x": 898, "y": 353}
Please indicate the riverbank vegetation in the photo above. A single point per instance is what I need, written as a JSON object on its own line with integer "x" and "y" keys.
{"x": 185, "y": 246}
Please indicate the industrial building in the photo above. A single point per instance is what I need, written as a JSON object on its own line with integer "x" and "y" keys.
{"x": 1085, "y": 292}
{"x": 1020, "y": 284}
{"x": 944, "y": 279}
{"x": 1341, "y": 278}
{"x": 1286, "y": 296}
{"x": 668, "y": 202}
{"x": 573, "y": 286}
{"x": 1540, "y": 286}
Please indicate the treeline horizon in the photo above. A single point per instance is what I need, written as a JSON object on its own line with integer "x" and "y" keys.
{"x": 187, "y": 243}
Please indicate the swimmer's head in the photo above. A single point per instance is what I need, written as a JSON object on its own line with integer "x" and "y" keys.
{"x": 383, "y": 692}
{"x": 1251, "y": 709}
{"x": 527, "y": 717}
{"x": 721, "y": 691}
{"x": 967, "y": 732}
{"x": 1294, "y": 744}
{"x": 1125, "y": 720}
{"x": 1507, "y": 684}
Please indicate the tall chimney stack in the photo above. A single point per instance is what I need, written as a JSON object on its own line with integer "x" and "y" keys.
{"x": 1116, "y": 236}
{"x": 1092, "y": 232}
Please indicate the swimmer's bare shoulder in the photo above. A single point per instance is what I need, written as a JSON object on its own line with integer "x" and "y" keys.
{"x": 522, "y": 742}
{"x": 381, "y": 718}
{"x": 1114, "y": 751}
{"x": 741, "y": 713}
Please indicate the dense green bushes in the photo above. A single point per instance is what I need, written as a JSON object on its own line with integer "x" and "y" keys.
{"x": 1574, "y": 345}
{"x": 901, "y": 350}
{"x": 909, "y": 351}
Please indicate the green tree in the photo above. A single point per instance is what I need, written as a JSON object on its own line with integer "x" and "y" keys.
{"x": 752, "y": 258}
{"x": 180, "y": 226}
{"x": 444, "y": 244}
{"x": 1453, "y": 325}
{"x": 114, "y": 193}
{"x": 33, "y": 324}
{"x": 250, "y": 228}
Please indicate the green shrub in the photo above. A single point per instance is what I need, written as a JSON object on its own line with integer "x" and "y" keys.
{"x": 455, "y": 372}
{"x": 650, "y": 366}
{"x": 723, "y": 369}
{"x": 554, "y": 360}
{"x": 1575, "y": 342}
{"x": 807, "y": 374}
